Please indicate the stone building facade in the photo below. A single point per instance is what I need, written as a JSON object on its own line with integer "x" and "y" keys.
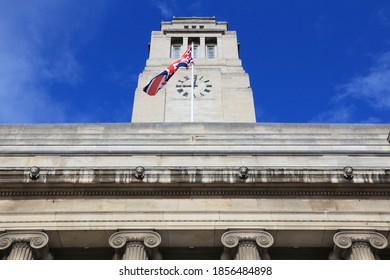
{"x": 160, "y": 188}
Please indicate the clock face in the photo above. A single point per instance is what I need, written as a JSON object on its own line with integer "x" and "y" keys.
{"x": 202, "y": 86}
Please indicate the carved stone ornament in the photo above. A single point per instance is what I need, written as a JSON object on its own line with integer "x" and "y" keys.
{"x": 37, "y": 240}
{"x": 357, "y": 245}
{"x": 243, "y": 172}
{"x": 26, "y": 245}
{"x": 135, "y": 245}
{"x": 150, "y": 239}
{"x": 348, "y": 172}
{"x": 139, "y": 172}
{"x": 34, "y": 172}
{"x": 345, "y": 239}
{"x": 232, "y": 238}
{"x": 246, "y": 245}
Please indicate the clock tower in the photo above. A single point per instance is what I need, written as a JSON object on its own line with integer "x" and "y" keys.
{"x": 222, "y": 91}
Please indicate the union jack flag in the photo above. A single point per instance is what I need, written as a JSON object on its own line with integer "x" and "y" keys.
{"x": 161, "y": 79}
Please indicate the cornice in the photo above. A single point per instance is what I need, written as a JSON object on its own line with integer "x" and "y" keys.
{"x": 191, "y": 31}
{"x": 192, "y": 181}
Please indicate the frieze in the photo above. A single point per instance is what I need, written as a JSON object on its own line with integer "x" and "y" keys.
{"x": 254, "y": 192}
{"x": 229, "y": 181}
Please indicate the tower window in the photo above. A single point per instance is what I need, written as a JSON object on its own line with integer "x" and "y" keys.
{"x": 195, "y": 51}
{"x": 211, "y": 47}
{"x": 210, "y": 51}
{"x": 194, "y": 27}
{"x": 176, "y": 44}
{"x": 176, "y": 49}
{"x": 185, "y": 26}
{"x": 201, "y": 26}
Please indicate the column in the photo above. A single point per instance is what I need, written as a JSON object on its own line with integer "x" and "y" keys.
{"x": 202, "y": 47}
{"x": 185, "y": 45}
{"x": 246, "y": 244}
{"x": 26, "y": 245}
{"x": 219, "y": 53}
{"x": 357, "y": 245}
{"x": 135, "y": 245}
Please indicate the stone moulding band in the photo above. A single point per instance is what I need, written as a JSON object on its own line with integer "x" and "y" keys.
{"x": 229, "y": 181}
{"x": 175, "y": 175}
{"x": 276, "y": 191}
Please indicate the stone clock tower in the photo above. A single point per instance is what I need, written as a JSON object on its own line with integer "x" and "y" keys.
{"x": 222, "y": 91}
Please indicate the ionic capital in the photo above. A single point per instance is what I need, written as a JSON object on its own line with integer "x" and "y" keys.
{"x": 150, "y": 239}
{"x": 232, "y": 238}
{"x": 357, "y": 245}
{"x": 135, "y": 245}
{"x": 345, "y": 239}
{"x": 36, "y": 239}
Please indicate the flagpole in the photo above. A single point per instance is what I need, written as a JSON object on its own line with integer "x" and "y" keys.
{"x": 192, "y": 83}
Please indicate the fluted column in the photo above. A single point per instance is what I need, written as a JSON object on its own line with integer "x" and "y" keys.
{"x": 20, "y": 251}
{"x": 357, "y": 245}
{"x": 246, "y": 244}
{"x": 135, "y": 245}
{"x": 26, "y": 245}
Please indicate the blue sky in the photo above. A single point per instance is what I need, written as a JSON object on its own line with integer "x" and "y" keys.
{"x": 308, "y": 61}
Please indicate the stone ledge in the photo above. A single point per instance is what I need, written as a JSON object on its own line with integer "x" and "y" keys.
{"x": 194, "y": 182}
{"x": 209, "y": 192}
{"x": 194, "y": 176}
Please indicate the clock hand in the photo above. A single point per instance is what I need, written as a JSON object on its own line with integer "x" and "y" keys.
{"x": 195, "y": 85}
{"x": 195, "y": 78}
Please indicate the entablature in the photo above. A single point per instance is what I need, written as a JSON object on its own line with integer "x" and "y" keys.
{"x": 193, "y": 182}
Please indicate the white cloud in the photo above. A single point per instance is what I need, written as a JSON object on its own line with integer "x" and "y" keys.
{"x": 170, "y": 8}
{"x": 64, "y": 68}
{"x": 384, "y": 15}
{"x": 372, "y": 120}
{"x": 371, "y": 90}
{"x": 37, "y": 48}
{"x": 374, "y": 87}
{"x": 166, "y": 7}
{"x": 337, "y": 114}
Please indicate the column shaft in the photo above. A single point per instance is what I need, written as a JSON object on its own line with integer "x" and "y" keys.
{"x": 361, "y": 251}
{"x": 135, "y": 251}
{"x": 20, "y": 251}
{"x": 247, "y": 250}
